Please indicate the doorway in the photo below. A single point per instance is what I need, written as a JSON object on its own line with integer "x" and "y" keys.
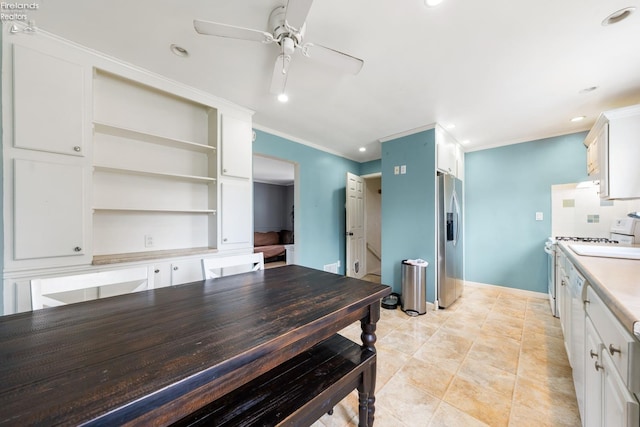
{"x": 275, "y": 198}
{"x": 373, "y": 227}
{"x": 363, "y": 226}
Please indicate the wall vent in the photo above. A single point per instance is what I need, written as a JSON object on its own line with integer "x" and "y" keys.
{"x": 332, "y": 268}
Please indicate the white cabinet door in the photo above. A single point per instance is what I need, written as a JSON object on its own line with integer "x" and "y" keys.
{"x": 593, "y": 377}
{"x": 449, "y": 154}
{"x": 236, "y": 147}
{"x": 160, "y": 273}
{"x": 236, "y": 212}
{"x": 48, "y": 209}
{"x": 619, "y": 407}
{"x": 186, "y": 271}
{"x": 48, "y": 102}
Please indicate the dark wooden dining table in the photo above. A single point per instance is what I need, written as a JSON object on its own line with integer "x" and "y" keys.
{"x": 154, "y": 357}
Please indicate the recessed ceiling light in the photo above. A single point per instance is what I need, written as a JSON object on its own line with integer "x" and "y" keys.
{"x": 432, "y": 3}
{"x": 283, "y": 97}
{"x": 465, "y": 141}
{"x": 578, "y": 118}
{"x": 179, "y": 50}
{"x": 362, "y": 149}
{"x": 450, "y": 126}
{"x": 618, "y": 16}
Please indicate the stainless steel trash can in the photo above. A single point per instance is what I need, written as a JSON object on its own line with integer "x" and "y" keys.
{"x": 414, "y": 286}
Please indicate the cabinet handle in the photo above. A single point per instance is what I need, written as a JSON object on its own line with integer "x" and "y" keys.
{"x": 77, "y": 148}
{"x": 77, "y": 249}
{"x": 156, "y": 271}
{"x": 592, "y": 354}
{"x": 598, "y": 366}
{"x": 562, "y": 282}
{"x": 224, "y": 170}
{"x": 224, "y": 240}
{"x": 587, "y": 302}
{"x": 175, "y": 268}
{"x": 614, "y": 350}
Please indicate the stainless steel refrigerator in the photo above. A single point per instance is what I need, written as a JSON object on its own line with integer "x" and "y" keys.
{"x": 450, "y": 240}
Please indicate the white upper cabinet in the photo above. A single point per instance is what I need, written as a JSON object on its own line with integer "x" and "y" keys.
{"x": 48, "y": 103}
{"x": 613, "y": 152}
{"x": 449, "y": 154}
{"x": 48, "y": 210}
{"x": 236, "y": 146}
{"x": 236, "y": 213}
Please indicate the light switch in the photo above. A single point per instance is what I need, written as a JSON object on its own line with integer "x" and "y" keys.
{"x": 396, "y": 170}
{"x": 539, "y": 216}
{"x": 403, "y": 169}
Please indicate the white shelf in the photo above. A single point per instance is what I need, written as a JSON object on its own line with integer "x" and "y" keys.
{"x": 161, "y": 211}
{"x": 122, "y": 132}
{"x": 190, "y": 178}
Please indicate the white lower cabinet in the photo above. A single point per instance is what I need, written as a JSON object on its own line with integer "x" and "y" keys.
{"x": 186, "y": 271}
{"x": 619, "y": 407}
{"x": 612, "y": 369}
{"x": 593, "y": 377}
{"x": 176, "y": 273}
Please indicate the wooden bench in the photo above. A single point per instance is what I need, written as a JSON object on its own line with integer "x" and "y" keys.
{"x": 297, "y": 393}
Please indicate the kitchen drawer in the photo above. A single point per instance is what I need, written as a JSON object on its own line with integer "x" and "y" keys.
{"x": 618, "y": 343}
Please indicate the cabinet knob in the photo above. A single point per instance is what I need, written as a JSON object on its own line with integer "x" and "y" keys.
{"x": 225, "y": 239}
{"x": 175, "y": 268}
{"x": 77, "y": 148}
{"x": 592, "y": 354}
{"x": 598, "y": 366}
{"x": 156, "y": 271}
{"x": 614, "y": 350}
{"x": 224, "y": 170}
{"x": 77, "y": 249}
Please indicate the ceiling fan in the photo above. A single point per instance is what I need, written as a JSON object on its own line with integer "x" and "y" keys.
{"x": 287, "y": 25}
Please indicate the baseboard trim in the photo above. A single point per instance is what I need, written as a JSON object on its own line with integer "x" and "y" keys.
{"x": 520, "y": 292}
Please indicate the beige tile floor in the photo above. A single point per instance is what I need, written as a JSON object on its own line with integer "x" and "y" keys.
{"x": 495, "y": 357}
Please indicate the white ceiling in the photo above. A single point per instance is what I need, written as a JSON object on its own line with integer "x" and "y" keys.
{"x": 502, "y": 71}
{"x": 273, "y": 171}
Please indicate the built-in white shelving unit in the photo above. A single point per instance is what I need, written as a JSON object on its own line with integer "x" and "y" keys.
{"x": 107, "y": 166}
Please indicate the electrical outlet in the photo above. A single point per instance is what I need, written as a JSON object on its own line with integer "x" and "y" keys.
{"x": 539, "y": 216}
{"x": 148, "y": 241}
{"x": 396, "y": 170}
{"x": 403, "y": 169}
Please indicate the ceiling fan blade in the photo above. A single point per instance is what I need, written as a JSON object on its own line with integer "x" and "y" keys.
{"x": 222, "y": 30}
{"x": 280, "y": 73}
{"x": 347, "y": 63}
{"x": 297, "y": 11}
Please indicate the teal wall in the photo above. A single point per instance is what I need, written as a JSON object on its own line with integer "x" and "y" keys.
{"x": 320, "y": 239}
{"x": 504, "y": 188}
{"x": 374, "y": 166}
{"x": 408, "y": 207}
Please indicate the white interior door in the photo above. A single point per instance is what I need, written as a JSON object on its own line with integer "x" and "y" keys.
{"x": 355, "y": 238}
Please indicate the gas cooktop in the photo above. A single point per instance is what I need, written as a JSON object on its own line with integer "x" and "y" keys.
{"x": 585, "y": 239}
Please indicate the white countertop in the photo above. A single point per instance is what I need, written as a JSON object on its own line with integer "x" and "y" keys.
{"x": 616, "y": 281}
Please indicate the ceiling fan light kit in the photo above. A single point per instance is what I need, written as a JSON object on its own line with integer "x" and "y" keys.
{"x": 287, "y": 26}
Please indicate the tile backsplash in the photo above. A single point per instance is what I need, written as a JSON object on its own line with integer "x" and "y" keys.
{"x": 577, "y": 210}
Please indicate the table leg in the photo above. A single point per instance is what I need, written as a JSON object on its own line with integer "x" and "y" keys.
{"x": 367, "y": 387}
